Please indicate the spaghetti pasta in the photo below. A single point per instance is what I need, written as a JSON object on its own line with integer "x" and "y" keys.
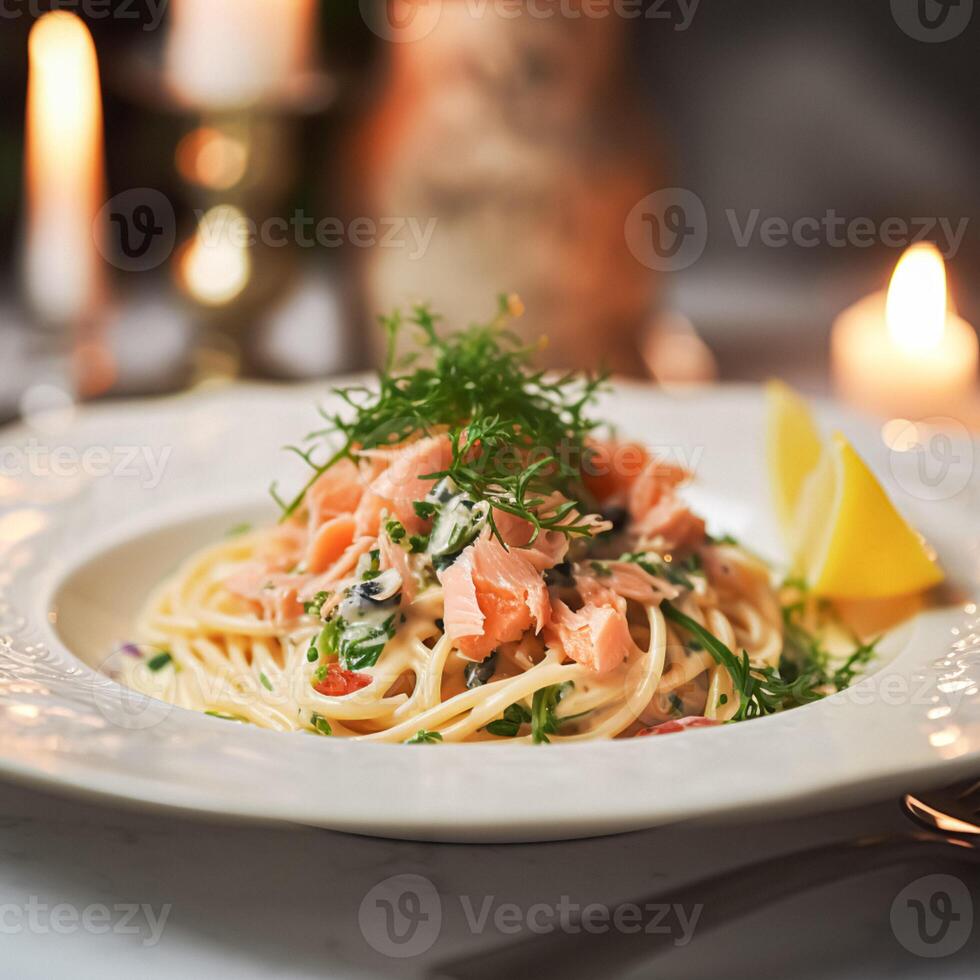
{"x": 472, "y": 563}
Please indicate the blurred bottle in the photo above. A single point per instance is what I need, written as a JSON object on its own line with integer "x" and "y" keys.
{"x": 522, "y": 139}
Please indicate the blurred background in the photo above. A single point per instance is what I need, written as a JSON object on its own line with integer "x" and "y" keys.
{"x": 678, "y": 189}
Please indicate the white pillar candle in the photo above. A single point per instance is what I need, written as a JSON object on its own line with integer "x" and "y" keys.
{"x": 226, "y": 53}
{"x": 904, "y": 353}
{"x": 64, "y": 171}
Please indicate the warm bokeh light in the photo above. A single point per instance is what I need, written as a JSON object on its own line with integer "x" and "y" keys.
{"x": 237, "y": 52}
{"x": 63, "y": 168}
{"x": 216, "y": 267}
{"x": 211, "y": 158}
{"x": 916, "y": 307}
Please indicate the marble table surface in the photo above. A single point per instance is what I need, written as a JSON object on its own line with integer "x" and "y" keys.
{"x": 89, "y": 890}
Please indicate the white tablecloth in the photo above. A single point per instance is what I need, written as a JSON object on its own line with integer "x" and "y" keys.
{"x": 205, "y": 899}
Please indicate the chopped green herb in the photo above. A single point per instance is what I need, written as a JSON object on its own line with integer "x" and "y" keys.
{"x": 425, "y": 509}
{"x": 321, "y": 724}
{"x": 418, "y": 543}
{"x": 238, "y": 529}
{"x": 160, "y": 661}
{"x": 315, "y": 606}
{"x": 357, "y": 645}
{"x": 508, "y": 726}
{"x": 226, "y": 717}
{"x": 313, "y": 654}
{"x": 266, "y": 683}
{"x": 422, "y": 737}
{"x": 395, "y": 530}
{"x": 544, "y": 705}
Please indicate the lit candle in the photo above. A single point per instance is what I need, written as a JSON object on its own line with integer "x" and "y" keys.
{"x": 237, "y": 52}
{"x": 64, "y": 171}
{"x": 905, "y": 353}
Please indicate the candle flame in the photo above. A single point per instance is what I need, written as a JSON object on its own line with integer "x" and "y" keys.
{"x": 916, "y": 307}
{"x": 63, "y": 166}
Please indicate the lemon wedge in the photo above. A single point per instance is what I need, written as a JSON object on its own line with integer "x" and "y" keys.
{"x": 848, "y": 540}
{"x": 794, "y": 447}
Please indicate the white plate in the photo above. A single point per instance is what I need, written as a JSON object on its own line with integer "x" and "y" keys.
{"x": 79, "y": 549}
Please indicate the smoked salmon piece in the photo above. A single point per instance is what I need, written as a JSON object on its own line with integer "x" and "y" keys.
{"x": 275, "y": 593}
{"x": 337, "y": 491}
{"x": 623, "y": 579}
{"x": 393, "y": 555}
{"x": 598, "y": 637}
{"x": 492, "y": 596}
{"x": 549, "y": 548}
{"x": 612, "y": 469}
{"x": 671, "y": 525}
{"x": 401, "y": 484}
{"x": 328, "y": 542}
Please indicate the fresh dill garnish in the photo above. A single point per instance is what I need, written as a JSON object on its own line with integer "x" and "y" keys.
{"x": 804, "y": 652}
{"x": 677, "y": 573}
{"x": 517, "y": 435}
{"x": 761, "y": 690}
{"x": 423, "y": 737}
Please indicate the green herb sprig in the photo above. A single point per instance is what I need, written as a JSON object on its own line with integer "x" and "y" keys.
{"x": 477, "y": 386}
{"x": 761, "y": 690}
{"x": 423, "y": 737}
